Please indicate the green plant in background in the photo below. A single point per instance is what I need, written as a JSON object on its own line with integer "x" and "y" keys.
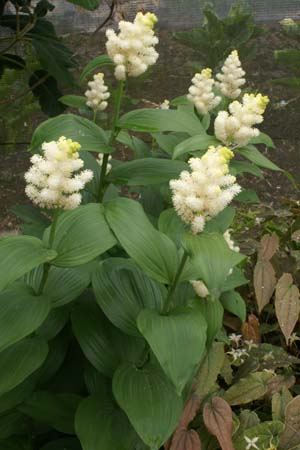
{"x": 119, "y": 338}
{"x": 217, "y": 37}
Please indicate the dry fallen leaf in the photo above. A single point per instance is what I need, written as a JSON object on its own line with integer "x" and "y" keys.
{"x": 264, "y": 283}
{"x": 217, "y": 417}
{"x": 287, "y": 304}
{"x": 268, "y": 247}
{"x": 291, "y": 436}
{"x": 250, "y": 329}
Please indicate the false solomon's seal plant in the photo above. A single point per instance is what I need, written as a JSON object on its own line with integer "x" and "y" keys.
{"x": 109, "y": 302}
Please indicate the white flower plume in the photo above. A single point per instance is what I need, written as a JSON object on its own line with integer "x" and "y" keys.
{"x": 201, "y": 93}
{"x": 97, "y": 94}
{"x": 231, "y": 76}
{"x": 51, "y": 182}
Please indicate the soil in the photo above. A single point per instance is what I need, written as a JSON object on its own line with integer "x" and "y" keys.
{"x": 170, "y": 78}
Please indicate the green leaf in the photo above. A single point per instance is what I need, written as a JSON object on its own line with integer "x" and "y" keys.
{"x": 17, "y": 395}
{"x": 16, "y": 444}
{"x": 85, "y": 226}
{"x": 213, "y": 313}
{"x": 99, "y": 61}
{"x": 267, "y": 432}
{"x": 209, "y": 370}
{"x": 235, "y": 279}
{"x": 155, "y": 120}
{"x": 19, "y": 361}
{"x": 152, "y": 251}
{"x": 195, "y": 143}
{"x": 21, "y": 313}
{"x": 183, "y": 331}
{"x": 56, "y": 410}
{"x": 45, "y": 89}
{"x": 91, "y": 5}
{"x": 117, "y": 278}
{"x": 150, "y": 402}
{"x": 54, "y": 323}
{"x": 248, "y": 389}
{"x": 146, "y": 171}
{"x": 10, "y": 61}
{"x": 20, "y": 254}
{"x": 103, "y": 345}
{"x": 234, "y": 303}
{"x": 211, "y": 258}
{"x": 291, "y": 82}
{"x": 263, "y": 138}
{"x": 250, "y": 152}
{"x": 170, "y": 224}
{"x": 289, "y": 57}
{"x": 75, "y": 101}
{"x": 221, "y": 222}
{"x": 138, "y": 146}
{"x": 247, "y": 196}
{"x": 11, "y": 423}
{"x": 167, "y": 142}
{"x": 101, "y": 425}
{"x": 89, "y": 135}
{"x": 241, "y": 167}
{"x": 68, "y": 443}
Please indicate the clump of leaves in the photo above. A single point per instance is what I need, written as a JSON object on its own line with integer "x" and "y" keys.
{"x": 217, "y": 37}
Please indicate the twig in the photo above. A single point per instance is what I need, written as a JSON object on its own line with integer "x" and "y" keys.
{"x": 110, "y": 15}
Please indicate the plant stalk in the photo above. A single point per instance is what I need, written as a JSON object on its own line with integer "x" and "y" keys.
{"x": 114, "y": 133}
{"x": 173, "y": 286}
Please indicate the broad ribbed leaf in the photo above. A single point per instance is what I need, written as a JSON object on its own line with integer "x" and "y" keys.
{"x": 20, "y": 254}
{"x": 152, "y": 251}
{"x": 287, "y": 304}
{"x": 68, "y": 443}
{"x": 250, "y": 152}
{"x": 290, "y": 438}
{"x": 56, "y": 410}
{"x": 195, "y": 143}
{"x": 209, "y": 370}
{"x": 81, "y": 235}
{"x": 89, "y": 135}
{"x": 183, "y": 331}
{"x": 21, "y": 360}
{"x": 103, "y": 345}
{"x": 212, "y": 311}
{"x": 248, "y": 389}
{"x": 155, "y": 120}
{"x": 17, "y": 395}
{"x": 264, "y": 283}
{"x": 147, "y": 171}
{"x": 21, "y": 313}
{"x": 211, "y": 258}
{"x": 149, "y": 400}
{"x": 218, "y": 419}
{"x": 99, "y": 61}
{"x": 11, "y": 423}
{"x": 101, "y": 425}
{"x": 263, "y": 138}
{"x": 75, "y": 101}
{"x": 122, "y": 290}
{"x": 234, "y": 303}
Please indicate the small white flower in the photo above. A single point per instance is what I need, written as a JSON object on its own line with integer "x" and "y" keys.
{"x": 251, "y": 443}
{"x": 97, "y": 94}
{"x": 165, "y": 104}
{"x": 238, "y": 354}
{"x": 235, "y": 338}
{"x": 231, "y": 76}
{"x": 200, "y": 288}
{"x": 230, "y": 242}
{"x": 250, "y": 344}
{"x": 132, "y": 49}
{"x": 100, "y": 162}
{"x": 201, "y": 93}
{"x": 270, "y": 371}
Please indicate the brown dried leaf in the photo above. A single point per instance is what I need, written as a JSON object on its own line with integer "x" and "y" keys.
{"x": 278, "y": 382}
{"x": 287, "y": 304}
{"x": 264, "y": 282}
{"x": 217, "y": 417}
{"x": 250, "y": 329}
{"x": 291, "y": 436}
{"x": 268, "y": 247}
{"x": 189, "y": 412}
{"x": 185, "y": 440}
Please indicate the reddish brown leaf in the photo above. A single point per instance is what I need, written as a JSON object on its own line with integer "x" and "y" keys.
{"x": 186, "y": 440}
{"x": 277, "y": 383}
{"x": 290, "y": 438}
{"x": 218, "y": 420}
{"x": 250, "y": 329}
{"x": 268, "y": 247}
{"x": 287, "y": 304}
{"x": 264, "y": 283}
{"x": 189, "y": 412}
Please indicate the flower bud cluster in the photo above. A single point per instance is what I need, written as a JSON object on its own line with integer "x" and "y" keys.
{"x": 201, "y": 92}
{"x": 230, "y": 242}
{"x": 202, "y": 193}
{"x": 165, "y": 104}
{"x": 231, "y": 76}
{"x": 100, "y": 162}
{"x": 132, "y": 50}
{"x": 97, "y": 94}
{"x": 51, "y": 182}
{"x": 237, "y": 127}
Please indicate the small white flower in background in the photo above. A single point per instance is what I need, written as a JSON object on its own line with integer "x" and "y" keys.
{"x": 202, "y": 193}
{"x": 237, "y": 127}
{"x": 251, "y": 443}
{"x": 238, "y": 354}
{"x": 165, "y": 104}
{"x": 51, "y": 182}
{"x": 270, "y": 371}
{"x": 97, "y": 94}
{"x": 250, "y": 344}
{"x": 287, "y": 22}
{"x": 231, "y": 79}
{"x": 200, "y": 288}
{"x": 201, "y": 93}
{"x": 100, "y": 162}
{"x": 132, "y": 49}
{"x": 235, "y": 338}
{"x": 293, "y": 338}
{"x": 230, "y": 242}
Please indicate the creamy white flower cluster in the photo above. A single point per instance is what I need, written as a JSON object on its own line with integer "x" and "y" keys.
{"x": 97, "y": 94}
{"x": 132, "y": 50}
{"x": 237, "y": 127}
{"x": 231, "y": 76}
{"x": 51, "y": 182}
{"x": 100, "y": 162}
{"x": 230, "y": 242}
{"x": 201, "y": 92}
{"x": 165, "y": 104}
{"x": 202, "y": 193}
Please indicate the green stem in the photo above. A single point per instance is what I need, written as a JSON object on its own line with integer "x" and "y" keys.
{"x": 173, "y": 286}
{"x": 114, "y": 133}
{"x": 95, "y": 115}
{"x": 46, "y": 266}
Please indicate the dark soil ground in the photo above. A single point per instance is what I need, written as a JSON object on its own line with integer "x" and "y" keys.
{"x": 170, "y": 78}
